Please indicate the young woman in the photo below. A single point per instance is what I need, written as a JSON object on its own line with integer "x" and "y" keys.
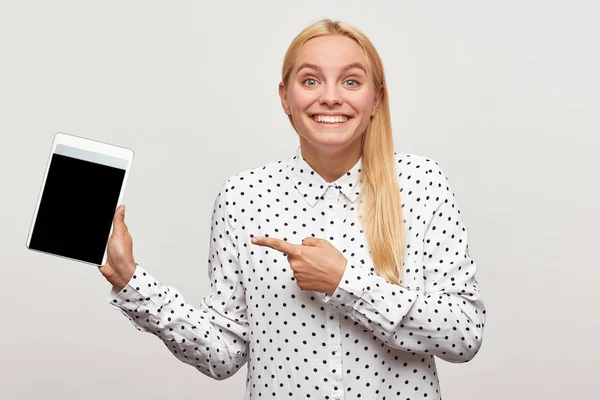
{"x": 337, "y": 273}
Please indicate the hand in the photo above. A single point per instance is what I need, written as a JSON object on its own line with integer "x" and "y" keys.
{"x": 317, "y": 265}
{"x": 120, "y": 265}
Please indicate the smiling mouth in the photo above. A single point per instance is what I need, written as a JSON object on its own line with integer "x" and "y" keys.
{"x": 330, "y": 119}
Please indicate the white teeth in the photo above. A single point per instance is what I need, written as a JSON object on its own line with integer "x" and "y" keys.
{"x": 330, "y": 119}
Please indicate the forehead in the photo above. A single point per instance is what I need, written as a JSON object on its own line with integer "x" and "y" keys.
{"x": 331, "y": 52}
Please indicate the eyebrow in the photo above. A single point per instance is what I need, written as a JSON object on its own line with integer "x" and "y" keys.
{"x": 319, "y": 69}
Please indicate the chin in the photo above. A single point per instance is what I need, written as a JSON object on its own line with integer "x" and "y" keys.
{"x": 330, "y": 139}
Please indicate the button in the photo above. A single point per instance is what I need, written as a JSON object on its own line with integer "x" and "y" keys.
{"x": 336, "y": 396}
{"x": 335, "y": 349}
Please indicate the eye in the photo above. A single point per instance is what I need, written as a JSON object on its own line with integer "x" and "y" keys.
{"x": 309, "y": 82}
{"x": 353, "y": 82}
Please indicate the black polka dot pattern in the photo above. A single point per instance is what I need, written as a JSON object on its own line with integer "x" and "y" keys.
{"x": 370, "y": 339}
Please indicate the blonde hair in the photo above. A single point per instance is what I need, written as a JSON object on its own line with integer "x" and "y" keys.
{"x": 379, "y": 199}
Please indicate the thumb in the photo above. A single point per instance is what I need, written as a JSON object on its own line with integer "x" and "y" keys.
{"x": 119, "y": 217}
{"x": 310, "y": 241}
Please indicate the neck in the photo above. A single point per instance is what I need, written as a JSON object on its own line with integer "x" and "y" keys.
{"x": 331, "y": 162}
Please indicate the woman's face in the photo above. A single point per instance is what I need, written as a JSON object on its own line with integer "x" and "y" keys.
{"x": 330, "y": 94}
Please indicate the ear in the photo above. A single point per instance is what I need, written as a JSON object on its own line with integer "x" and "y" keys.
{"x": 377, "y": 100}
{"x": 283, "y": 97}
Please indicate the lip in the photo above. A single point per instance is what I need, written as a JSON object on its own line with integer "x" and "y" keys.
{"x": 330, "y": 126}
{"x": 328, "y": 114}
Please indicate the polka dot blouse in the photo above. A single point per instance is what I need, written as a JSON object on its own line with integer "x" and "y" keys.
{"x": 369, "y": 339}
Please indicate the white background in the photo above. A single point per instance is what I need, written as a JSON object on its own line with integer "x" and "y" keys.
{"x": 503, "y": 94}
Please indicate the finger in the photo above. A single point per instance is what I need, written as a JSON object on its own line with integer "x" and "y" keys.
{"x": 311, "y": 241}
{"x": 119, "y": 218}
{"x": 275, "y": 244}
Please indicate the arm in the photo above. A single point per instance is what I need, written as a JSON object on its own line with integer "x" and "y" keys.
{"x": 447, "y": 319}
{"x": 212, "y": 337}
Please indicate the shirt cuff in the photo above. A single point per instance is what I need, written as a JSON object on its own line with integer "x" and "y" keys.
{"x": 349, "y": 290}
{"x": 138, "y": 289}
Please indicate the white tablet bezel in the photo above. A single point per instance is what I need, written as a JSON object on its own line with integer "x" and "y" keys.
{"x": 102, "y": 149}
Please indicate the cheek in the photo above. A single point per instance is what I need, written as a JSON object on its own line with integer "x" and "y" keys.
{"x": 362, "y": 102}
{"x": 300, "y": 99}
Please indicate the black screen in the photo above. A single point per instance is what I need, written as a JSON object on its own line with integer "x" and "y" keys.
{"x": 76, "y": 209}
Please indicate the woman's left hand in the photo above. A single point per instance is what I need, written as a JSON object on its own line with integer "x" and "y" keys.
{"x": 317, "y": 265}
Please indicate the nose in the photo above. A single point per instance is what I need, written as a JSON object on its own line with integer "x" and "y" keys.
{"x": 330, "y": 95}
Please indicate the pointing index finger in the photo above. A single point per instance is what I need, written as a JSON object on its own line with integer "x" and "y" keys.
{"x": 275, "y": 244}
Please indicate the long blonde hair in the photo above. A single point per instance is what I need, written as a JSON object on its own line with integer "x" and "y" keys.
{"x": 379, "y": 199}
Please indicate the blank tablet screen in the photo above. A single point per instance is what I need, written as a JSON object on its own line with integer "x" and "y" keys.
{"x": 77, "y": 204}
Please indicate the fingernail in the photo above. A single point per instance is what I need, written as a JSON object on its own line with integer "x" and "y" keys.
{"x": 254, "y": 240}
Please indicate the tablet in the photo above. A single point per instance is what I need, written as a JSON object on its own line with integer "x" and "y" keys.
{"x": 83, "y": 185}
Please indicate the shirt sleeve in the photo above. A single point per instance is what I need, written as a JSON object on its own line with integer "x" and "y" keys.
{"x": 212, "y": 337}
{"x": 447, "y": 318}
